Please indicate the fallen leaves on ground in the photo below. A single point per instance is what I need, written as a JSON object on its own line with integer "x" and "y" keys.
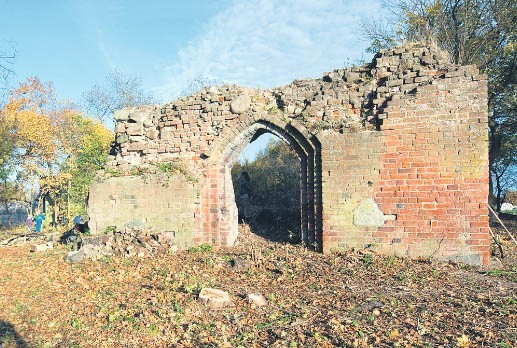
{"x": 352, "y": 299}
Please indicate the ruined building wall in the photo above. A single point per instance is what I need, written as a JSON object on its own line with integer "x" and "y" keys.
{"x": 393, "y": 156}
{"x": 424, "y": 175}
{"x": 161, "y": 202}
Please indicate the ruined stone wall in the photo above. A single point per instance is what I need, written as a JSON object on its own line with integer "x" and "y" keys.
{"x": 161, "y": 202}
{"x": 435, "y": 175}
{"x": 424, "y": 176}
{"x": 393, "y": 154}
{"x": 347, "y": 184}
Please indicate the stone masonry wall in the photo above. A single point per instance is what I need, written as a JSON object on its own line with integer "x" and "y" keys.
{"x": 165, "y": 204}
{"x": 393, "y": 154}
{"x": 424, "y": 176}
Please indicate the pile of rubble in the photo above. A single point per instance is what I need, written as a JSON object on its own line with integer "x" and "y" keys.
{"x": 129, "y": 242}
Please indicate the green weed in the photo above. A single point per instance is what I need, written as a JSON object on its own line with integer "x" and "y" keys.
{"x": 367, "y": 259}
{"x": 76, "y": 323}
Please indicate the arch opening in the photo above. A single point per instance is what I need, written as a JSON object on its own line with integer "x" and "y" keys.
{"x": 266, "y": 183}
{"x": 308, "y": 151}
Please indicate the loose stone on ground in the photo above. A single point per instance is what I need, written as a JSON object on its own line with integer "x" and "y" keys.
{"x": 214, "y": 298}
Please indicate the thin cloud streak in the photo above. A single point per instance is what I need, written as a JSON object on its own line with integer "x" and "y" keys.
{"x": 263, "y": 43}
{"x": 103, "y": 49}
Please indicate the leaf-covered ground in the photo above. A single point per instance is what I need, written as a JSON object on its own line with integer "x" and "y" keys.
{"x": 353, "y": 299}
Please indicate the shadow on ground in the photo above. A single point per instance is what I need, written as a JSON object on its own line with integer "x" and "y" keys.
{"x": 276, "y": 225}
{"x": 9, "y": 337}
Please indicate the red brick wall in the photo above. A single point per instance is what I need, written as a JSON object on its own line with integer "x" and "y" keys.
{"x": 427, "y": 168}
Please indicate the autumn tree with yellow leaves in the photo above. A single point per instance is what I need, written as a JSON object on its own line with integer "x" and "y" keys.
{"x": 50, "y": 146}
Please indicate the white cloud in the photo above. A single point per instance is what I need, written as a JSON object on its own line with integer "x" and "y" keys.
{"x": 263, "y": 43}
{"x": 103, "y": 49}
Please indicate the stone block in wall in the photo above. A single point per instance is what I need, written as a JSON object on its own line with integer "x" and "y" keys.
{"x": 139, "y": 116}
{"x": 148, "y": 123}
{"x": 120, "y": 127}
{"x": 367, "y": 213}
{"x": 121, "y": 115}
{"x": 121, "y": 139}
{"x": 240, "y": 104}
{"x": 135, "y": 138}
{"x": 167, "y": 133}
{"x": 137, "y": 145}
{"x": 152, "y": 133}
{"x": 134, "y": 129}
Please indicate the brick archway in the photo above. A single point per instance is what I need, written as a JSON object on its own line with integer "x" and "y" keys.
{"x": 393, "y": 156}
{"x": 219, "y": 210}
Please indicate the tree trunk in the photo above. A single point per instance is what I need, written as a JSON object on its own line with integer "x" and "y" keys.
{"x": 493, "y": 152}
{"x": 6, "y": 204}
{"x": 68, "y": 217}
{"x": 498, "y": 193}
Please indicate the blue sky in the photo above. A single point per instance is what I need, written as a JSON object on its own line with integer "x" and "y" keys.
{"x": 256, "y": 43}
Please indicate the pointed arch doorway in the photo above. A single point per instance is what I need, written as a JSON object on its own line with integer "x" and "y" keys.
{"x": 219, "y": 209}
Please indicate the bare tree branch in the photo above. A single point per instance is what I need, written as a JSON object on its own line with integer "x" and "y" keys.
{"x": 118, "y": 91}
{"x": 6, "y": 63}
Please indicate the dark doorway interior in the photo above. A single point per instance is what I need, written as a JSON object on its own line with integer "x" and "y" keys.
{"x": 266, "y": 183}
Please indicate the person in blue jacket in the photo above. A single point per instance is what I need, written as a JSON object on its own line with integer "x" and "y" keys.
{"x": 38, "y": 219}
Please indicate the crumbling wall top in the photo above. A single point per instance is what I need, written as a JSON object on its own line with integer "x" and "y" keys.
{"x": 344, "y": 100}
